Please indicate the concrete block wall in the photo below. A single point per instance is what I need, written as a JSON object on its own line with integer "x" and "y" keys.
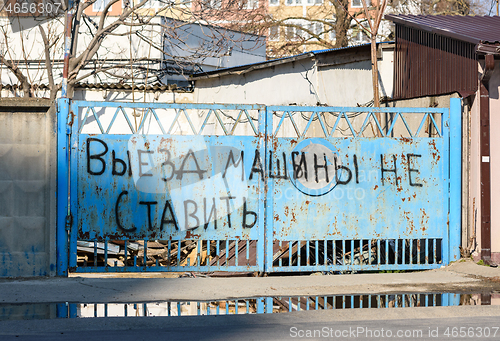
{"x": 27, "y": 187}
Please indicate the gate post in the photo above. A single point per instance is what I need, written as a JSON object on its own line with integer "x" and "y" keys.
{"x": 455, "y": 167}
{"x": 62, "y": 187}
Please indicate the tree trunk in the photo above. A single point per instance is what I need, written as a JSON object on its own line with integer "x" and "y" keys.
{"x": 342, "y": 23}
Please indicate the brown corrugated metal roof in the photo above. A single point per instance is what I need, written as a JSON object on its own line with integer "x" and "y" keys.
{"x": 472, "y": 29}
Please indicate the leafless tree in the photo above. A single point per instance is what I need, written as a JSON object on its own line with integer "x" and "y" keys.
{"x": 118, "y": 43}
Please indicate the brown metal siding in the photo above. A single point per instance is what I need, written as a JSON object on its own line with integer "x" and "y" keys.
{"x": 428, "y": 64}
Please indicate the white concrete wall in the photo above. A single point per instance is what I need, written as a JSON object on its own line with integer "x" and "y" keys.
{"x": 494, "y": 86}
{"x": 27, "y": 191}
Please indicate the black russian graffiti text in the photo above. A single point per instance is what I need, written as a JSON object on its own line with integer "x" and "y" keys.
{"x": 194, "y": 216}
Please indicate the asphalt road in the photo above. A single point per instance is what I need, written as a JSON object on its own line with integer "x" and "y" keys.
{"x": 430, "y": 323}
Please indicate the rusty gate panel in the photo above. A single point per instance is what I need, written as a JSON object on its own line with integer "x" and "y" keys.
{"x": 170, "y": 175}
{"x": 373, "y": 197}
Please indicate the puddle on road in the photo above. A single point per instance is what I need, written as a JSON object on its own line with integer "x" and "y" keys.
{"x": 258, "y": 305}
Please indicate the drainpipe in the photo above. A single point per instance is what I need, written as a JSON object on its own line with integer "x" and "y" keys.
{"x": 484, "y": 140}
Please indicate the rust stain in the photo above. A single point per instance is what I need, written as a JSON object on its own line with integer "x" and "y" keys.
{"x": 375, "y": 188}
{"x": 189, "y": 234}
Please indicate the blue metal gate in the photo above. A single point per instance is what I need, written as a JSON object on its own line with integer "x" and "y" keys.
{"x": 255, "y": 188}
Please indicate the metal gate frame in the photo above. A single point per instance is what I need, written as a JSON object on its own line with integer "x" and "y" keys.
{"x": 67, "y": 184}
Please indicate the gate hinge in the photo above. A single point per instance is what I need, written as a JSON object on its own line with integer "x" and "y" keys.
{"x": 69, "y": 221}
{"x": 69, "y": 122}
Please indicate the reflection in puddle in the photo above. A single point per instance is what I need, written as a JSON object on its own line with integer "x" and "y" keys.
{"x": 260, "y": 305}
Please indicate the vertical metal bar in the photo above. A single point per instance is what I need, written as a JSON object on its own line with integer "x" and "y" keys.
{"x": 106, "y": 253}
{"x": 236, "y": 307}
{"x": 228, "y": 243}
{"x": 198, "y": 252}
{"x": 378, "y": 252}
{"x": 198, "y": 309}
{"x": 260, "y": 305}
{"x": 178, "y": 308}
{"x": 325, "y": 302}
{"x": 248, "y": 252}
{"x": 73, "y": 311}
{"x": 352, "y": 252}
{"x": 280, "y": 260}
{"x": 411, "y": 251}
{"x": 290, "y": 253}
{"x": 435, "y": 250}
{"x": 145, "y": 309}
{"x": 125, "y": 309}
{"x": 343, "y": 252}
{"x": 145, "y": 254}
{"x": 352, "y": 301}
{"x": 248, "y": 307}
{"x": 95, "y": 253}
{"x": 269, "y": 305}
{"x": 178, "y": 252}
{"x": 426, "y": 251}
{"x": 369, "y": 252}
{"x": 386, "y": 251}
{"x": 105, "y": 310}
{"x": 396, "y": 247}
{"x": 208, "y": 308}
{"x": 455, "y": 181}
{"x": 308, "y": 256}
{"x": 169, "y": 252}
{"x": 62, "y": 310}
{"x": 325, "y": 252}
{"x": 126, "y": 253}
{"x": 169, "y": 309}
{"x": 403, "y": 252}
{"x": 217, "y": 250}
{"x": 316, "y": 303}
{"x": 298, "y": 254}
{"x": 227, "y": 307}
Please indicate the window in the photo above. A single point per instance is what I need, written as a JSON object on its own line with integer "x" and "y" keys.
{"x": 274, "y": 2}
{"x": 293, "y": 33}
{"x": 212, "y": 3}
{"x": 249, "y": 4}
{"x": 274, "y": 33}
{"x": 293, "y": 2}
{"x": 314, "y": 2}
{"x": 99, "y": 5}
{"x": 359, "y": 3}
{"x": 360, "y": 37}
{"x": 316, "y": 28}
